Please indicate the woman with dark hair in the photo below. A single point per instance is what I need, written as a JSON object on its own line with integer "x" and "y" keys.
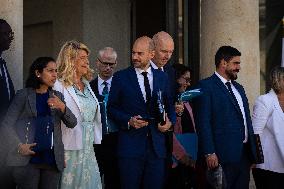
{"x": 32, "y": 129}
{"x": 268, "y": 122}
{"x": 182, "y": 169}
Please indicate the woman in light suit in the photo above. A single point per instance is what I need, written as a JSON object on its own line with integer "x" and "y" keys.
{"x": 268, "y": 122}
{"x": 73, "y": 70}
{"x": 35, "y": 148}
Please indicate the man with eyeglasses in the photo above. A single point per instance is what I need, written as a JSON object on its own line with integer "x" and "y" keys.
{"x": 7, "y": 92}
{"x": 106, "y": 155}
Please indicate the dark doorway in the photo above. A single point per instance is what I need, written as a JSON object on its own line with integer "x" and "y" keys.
{"x": 180, "y": 18}
{"x": 148, "y": 17}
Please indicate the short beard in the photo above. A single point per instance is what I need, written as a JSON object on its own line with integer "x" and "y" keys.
{"x": 231, "y": 75}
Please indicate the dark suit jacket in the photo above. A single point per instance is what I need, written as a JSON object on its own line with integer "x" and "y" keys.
{"x": 219, "y": 121}
{"x": 4, "y": 96}
{"x": 172, "y": 79}
{"x": 111, "y": 126}
{"x": 24, "y": 106}
{"x": 126, "y": 100}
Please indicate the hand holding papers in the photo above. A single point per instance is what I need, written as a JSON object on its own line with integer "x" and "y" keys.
{"x": 161, "y": 108}
{"x": 188, "y": 95}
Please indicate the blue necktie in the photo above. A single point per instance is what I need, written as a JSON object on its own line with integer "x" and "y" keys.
{"x": 105, "y": 89}
{"x": 104, "y": 108}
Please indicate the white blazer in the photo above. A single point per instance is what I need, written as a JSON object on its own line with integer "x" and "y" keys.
{"x": 268, "y": 122}
{"x": 72, "y": 138}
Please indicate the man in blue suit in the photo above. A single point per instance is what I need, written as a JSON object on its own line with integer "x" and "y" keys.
{"x": 106, "y": 152}
{"x": 133, "y": 107}
{"x": 223, "y": 121}
{"x": 164, "y": 48}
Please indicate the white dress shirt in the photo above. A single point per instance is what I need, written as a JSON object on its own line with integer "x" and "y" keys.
{"x": 240, "y": 102}
{"x": 5, "y": 75}
{"x": 140, "y": 78}
{"x": 101, "y": 85}
{"x": 155, "y": 66}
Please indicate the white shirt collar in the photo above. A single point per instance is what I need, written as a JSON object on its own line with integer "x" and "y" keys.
{"x": 100, "y": 81}
{"x": 155, "y": 66}
{"x": 139, "y": 71}
{"x": 222, "y": 78}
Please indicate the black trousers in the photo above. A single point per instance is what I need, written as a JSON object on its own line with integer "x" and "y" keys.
{"x": 265, "y": 179}
{"x": 181, "y": 177}
{"x": 106, "y": 154}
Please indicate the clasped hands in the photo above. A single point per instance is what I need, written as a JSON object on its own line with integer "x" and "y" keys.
{"x": 138, "y": 122}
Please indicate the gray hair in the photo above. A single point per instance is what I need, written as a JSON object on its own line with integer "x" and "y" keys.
{"x": 277, "y": 79}
{"x": 107, "y": 52}
{"x": 161, "y": 36}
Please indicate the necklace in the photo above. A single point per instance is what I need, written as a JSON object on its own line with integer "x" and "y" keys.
{"x": 80, "y": 86}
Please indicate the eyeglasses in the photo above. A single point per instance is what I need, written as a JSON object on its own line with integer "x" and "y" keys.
{"x": 187, "y": 79}
{"x": 106, "y": 64}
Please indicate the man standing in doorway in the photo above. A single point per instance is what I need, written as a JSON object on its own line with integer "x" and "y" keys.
{"x": 106, "y": 152}
{"x": 223, "y": 121}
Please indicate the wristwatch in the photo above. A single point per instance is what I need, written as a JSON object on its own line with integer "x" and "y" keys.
{"x": 209, "y": 155}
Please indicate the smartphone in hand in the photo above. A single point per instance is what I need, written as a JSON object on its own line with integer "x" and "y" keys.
{"x": 148, "y": 119}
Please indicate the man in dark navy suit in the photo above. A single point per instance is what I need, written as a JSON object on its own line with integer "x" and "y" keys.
{"x": 164, "y": 48}
{"x": 132, "y": 106}
{"x": 223, "y": 121}
{"x": 7, "y": 93}
{"x": 106, "y": 152}
{"x": 6, "y": 85}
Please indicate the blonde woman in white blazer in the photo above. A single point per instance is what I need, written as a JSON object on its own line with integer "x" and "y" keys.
{"x": 81, "y": 166}
{"x": 268, "y": 122}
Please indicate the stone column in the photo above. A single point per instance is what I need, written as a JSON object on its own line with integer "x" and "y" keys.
{"x": 234, "y": 23}
{"x": 12, "y": 12}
